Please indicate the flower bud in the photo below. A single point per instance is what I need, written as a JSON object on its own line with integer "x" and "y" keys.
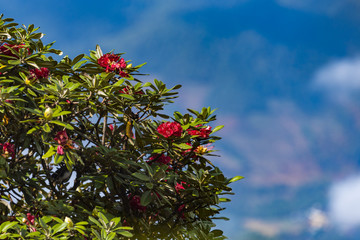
{"x": 48, "y": 113}
{"x": 27, "y": 81}
{"x": 5, "y": 120}
{"x": 69, "y": 221}
{"x": 129, "y": 65}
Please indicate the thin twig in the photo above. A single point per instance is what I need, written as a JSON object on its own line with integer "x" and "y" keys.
{"x": 104, "y": 130}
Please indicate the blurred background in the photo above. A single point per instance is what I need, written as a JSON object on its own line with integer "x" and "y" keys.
{"x": 284, "y": 75}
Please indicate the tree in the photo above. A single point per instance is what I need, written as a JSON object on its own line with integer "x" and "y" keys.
{"x": 86, "y": 152}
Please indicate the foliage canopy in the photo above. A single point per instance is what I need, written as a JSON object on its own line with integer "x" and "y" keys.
{"x": 86, "y": 153}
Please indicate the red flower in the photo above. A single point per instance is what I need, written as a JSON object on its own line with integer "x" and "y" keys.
{"x": 126, "y": 90}
{"x": 6, "y": 51}
{"x": 135, "y": 203}
{"x": 180, "y": 210}
{"x": 39, "y": 73}
{"x": 168, "y": 129}
{"x": 30, "y": 221}
{"x": 160, "y": 158}
{"x": 111, "y": 127}
{"x": 202, "y": 132}
{"x": 64, "y": 142}
{"x": 60, "y": 150}
{"x": 8, "y": 149}
{"x": 61, "y": 137}
{"x": 179, "y": 186}
{"x": 113, "y": 62}
{"x": 123, "y": 74}
{"x": 30, "y": 218}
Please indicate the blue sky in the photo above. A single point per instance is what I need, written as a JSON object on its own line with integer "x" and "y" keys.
{"x": 284, "y": 74}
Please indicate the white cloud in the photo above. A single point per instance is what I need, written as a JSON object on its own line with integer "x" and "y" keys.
{"x": 344, "y": 199}
{"x": 341, "y": 75}
{"x": 282, "y": 144}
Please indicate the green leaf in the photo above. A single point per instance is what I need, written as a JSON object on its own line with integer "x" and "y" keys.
{"x": 5, "y": 235}
{"x": 115, "y": 221}
{"x": 95, "y": 221}
{"x": 183, "y": 146}
{"x": 234, "y": 179}
{"x": 58, "y": 158}
{"x": 49, "y": 153}
{"x": 63, "y": 124}
{"x": 33, "y": 234}
{"x": 59, "y": 227}
{"x": 7, "y": 225}
{"x": 98, "y": 51}
{"x": 96, "y": 233}
{"x": 80, "y": 231}
{"x": 224, "y": 200}
{"x": 14, "y": 62}
{"x": 43, "y": 224}
{"x": 118, "y": 83}
{"x": 176, "y": 87}
{"x": 23, "y": 76}
{"x": 33, "y": 130}
{"x": 46, "y": 128}
{"x": 57, "y": 114}
{"x": 111, "y": 236}
{"x": 127, "y": 96}
{"x": 196, "y": 113}
{"x": 35, "y": 111}
{"x": 141, "y": 176}
{"x": 149, "y": 185}
{"x": 31, "y": 92}
{"x": 217, "y": 128}
{"x": 217, "y": 232}
{"x": 102, "y": 216}
{"x": 147, "y": 84}
{"x": 146, "y": 198}
{"x": 32, "y": 64}
{"x": 78, "y": 65}
{"x": 126, "y": 234}
{"x": 82, "y": 223}
{"x": 36, "y": 35}
{"x": 103, "y": 233}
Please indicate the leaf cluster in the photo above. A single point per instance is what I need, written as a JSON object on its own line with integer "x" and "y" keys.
{"x": 81, "y": 141}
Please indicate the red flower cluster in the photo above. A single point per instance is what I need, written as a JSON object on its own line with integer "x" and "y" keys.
{"x": 126, "y": 90}
{"x": 169, "y": 129}
{"x": 6, "y": 51}
{"x": 202, "y": 132}
{"x": 135, "y": 203}
{"x": 112, "y": 63}
{"x": 30, "y": 221}
{"x": 39, "y": 73}
{"x": 160, "y": 158}
{"x": 64, "y": 142}
{"x": 7, "y": 150}
{"x": 30, "y": 218}
{"x": 180, "y": 186}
